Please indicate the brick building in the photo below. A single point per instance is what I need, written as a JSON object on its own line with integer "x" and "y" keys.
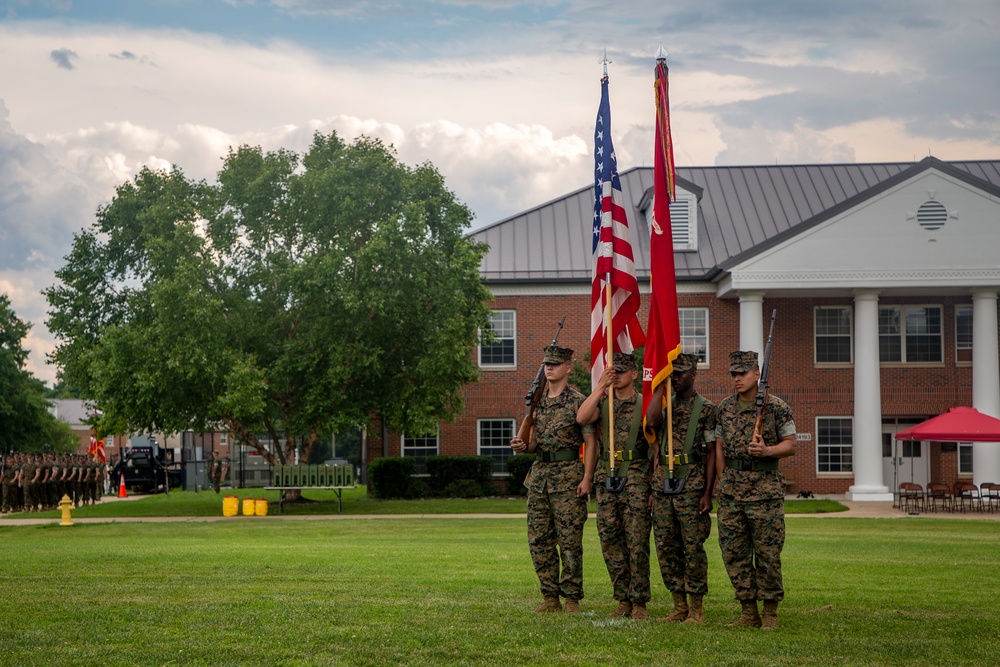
{"x": 885, "y": 281}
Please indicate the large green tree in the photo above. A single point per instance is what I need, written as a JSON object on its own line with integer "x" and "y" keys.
{"x": 26, "y": 425}
{"x": 297, "y": 295}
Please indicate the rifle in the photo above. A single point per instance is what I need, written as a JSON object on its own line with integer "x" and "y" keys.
{"x": 534, "y": 394}
{"x": 761, "y": 399}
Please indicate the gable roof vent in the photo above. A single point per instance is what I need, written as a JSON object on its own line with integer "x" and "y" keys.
{"x": 932, "y": 215}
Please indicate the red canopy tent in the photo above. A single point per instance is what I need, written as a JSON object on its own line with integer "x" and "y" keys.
{"x": 957, "y": 425}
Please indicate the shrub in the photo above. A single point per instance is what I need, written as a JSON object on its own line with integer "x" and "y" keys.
{"x": 390, "y": 477}
{"x": 518, "y": 467}
{"x": 463, "y": 488}
{"x": 418, "y": 489}
{"x": 444, "y": 470}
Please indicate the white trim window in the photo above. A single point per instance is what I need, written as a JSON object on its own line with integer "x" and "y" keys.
{"x": 694, "y": 332}
{"x": 493, "y": 440}
{"x": 965, "y": 458}
{"x": 832, "y": 329}
{"x": 910, "y": 334}
{"x": 419, "y": 448}
{"x": 502, "y": 352}
{"x": 834, "y": 444}
{"x": 963, "y": 334}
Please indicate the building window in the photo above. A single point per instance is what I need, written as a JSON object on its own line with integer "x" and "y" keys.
{"x": 832, "y": 326}
{"x": 694, "y": 332}
{"x": 834, "y": 444}
{"x": 223, "y": 439}
{"x": 419, "y": 447}
{"x": 964, "y": 458}
{"x": 910, "y": 334}
{"x": 501, "y": 353}
{"x": 963, "y": 334}
{"x": 494, "y": 441}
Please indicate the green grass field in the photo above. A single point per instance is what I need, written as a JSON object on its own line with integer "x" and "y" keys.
{"x": 355, "y": 501}
{"x": 459, "y": 592}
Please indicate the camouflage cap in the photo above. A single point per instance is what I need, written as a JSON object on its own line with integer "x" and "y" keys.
{"x": 741, "y": 362}
{"x": 685, "y": 362}
{"x": 623, "y": 361}
{"x": 557, "y": 355}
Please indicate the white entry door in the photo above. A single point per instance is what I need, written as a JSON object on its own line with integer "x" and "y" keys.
{"x": 904, "y": 460}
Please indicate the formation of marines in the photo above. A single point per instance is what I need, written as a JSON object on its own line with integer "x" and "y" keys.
{"x": 37, "y": 482}
{"x": 666, "y": 490}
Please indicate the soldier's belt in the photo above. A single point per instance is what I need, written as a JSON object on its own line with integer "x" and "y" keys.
{"x": 684, "y": 459}
{"x": 769, "y": 463}
{"x": 627, "y": 455}
{"x": 552, "y": 457}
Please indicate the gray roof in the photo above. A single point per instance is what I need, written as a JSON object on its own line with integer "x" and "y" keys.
{"x": 741, "y": 211}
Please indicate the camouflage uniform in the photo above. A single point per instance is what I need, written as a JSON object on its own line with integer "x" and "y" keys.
{"x": 8, "y": 478}
{"x": 623, "y": 518}
{"x": 555, "y": 514}
{"x": 28, "y": 471}
{"x": 752, "y": 502}
{"x": 216, "y": 472}
{"x": 680, "y": 530}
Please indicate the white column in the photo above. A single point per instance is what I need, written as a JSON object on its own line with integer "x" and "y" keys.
{"x": 868, "y": 482}
{"x": 752, "y": 322}
{"x": 985, "y": 380}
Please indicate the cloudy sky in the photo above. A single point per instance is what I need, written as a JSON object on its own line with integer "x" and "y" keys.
{"x": 501, "y": 95}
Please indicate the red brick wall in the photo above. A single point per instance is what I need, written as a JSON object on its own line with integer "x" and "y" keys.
{"x": 811, "y": 391}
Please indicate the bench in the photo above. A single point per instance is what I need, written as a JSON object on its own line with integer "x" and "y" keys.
{"x": 305, "y": 477}
{"x": 281, "y": 497}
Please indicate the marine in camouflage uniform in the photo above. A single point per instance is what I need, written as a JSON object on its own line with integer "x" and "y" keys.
{"x": 558, "y": 485}
{"x": 752, "y": 492}
{"x": 29, "y": 477}
{"x": 7, "y": 481}
{"x": 216, "y": 471}
{"x": 623, "y": 522}
{"x": 682, "y": 520}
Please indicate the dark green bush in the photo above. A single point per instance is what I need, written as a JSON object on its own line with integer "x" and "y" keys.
{"x": 518, "y": 467}
{"x": 418, "y": 489}
{"x": 463, "y": 488}
{"x": 390, "y": 477}
{"x": 444, "y": 470}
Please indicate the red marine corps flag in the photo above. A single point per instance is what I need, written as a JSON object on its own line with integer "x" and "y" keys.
{"x": 614, "y": 265}
{"x": 663, "y": 331}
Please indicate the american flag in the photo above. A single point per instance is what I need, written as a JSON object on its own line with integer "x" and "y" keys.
{"x": 612, "y": 251}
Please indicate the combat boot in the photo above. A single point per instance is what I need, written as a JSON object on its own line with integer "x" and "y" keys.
{"x": 769, "y": 621}
{"x": 680, "y": 611}
{"x": 639, "y": 612}
{"x": 572, "y": 606}
{"x": 697, "y": 613}
{"x": 624, "y": 609}
{"x": 549, "y": 604}
{"x": 749, "y": 618}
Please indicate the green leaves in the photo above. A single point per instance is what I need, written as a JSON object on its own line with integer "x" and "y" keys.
{"x": 299, "y": 293}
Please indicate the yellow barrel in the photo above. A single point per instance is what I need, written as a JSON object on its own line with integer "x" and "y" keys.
{"x": 261, "y": 507}
{"x": 249, "y": 506}
{"x": 230, "y": 506}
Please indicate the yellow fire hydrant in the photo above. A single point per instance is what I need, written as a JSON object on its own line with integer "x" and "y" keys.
{"x": 66, "y": 505}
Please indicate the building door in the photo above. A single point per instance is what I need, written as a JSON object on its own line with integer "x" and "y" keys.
{"x": 903, "y": 460}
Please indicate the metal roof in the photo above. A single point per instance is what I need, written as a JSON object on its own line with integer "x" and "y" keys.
{"x": 741, "y": 211}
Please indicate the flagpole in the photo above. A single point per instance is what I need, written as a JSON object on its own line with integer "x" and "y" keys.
{"x": 608, "y": 360}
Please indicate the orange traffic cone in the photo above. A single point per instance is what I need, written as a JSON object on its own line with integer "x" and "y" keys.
{"x": 121, "y": 487}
